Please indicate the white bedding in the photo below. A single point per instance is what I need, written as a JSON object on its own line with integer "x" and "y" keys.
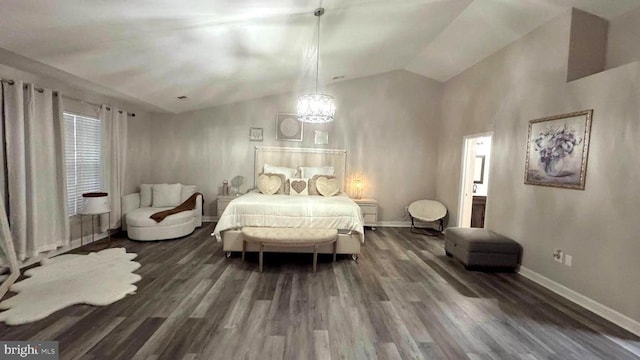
{"x": 256, "y": 209}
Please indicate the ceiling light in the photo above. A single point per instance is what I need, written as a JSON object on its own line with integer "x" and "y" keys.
{"x": 316, "y": 108}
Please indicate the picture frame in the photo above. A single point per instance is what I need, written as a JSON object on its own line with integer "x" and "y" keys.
{"x": 255, "y": 134}
{"x": 321, "y": 137}
{"x": 558, "y": 150}
{"x": 478, "y": 169}
{"x": 288, "y": 127}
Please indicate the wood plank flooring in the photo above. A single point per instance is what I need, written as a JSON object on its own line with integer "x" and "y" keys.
{"x": 404, "y": 299}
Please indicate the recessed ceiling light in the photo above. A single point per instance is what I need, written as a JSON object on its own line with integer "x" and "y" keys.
{"x": 340, "y": 77}
{"x": 182, "y": 97}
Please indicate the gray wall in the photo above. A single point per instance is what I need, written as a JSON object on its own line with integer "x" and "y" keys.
{"x": 587, "y": 45}
{"x": 623, "y": 46}
{"x": 387, "y": 123}
{"x": 597, "y": 226}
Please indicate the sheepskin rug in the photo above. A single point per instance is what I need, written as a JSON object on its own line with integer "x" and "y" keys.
{"x": 99, "y": 278}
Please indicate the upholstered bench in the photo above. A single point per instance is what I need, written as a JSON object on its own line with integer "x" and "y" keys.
{"x": 476, "y": 247}
{"x": 289, "y": 237}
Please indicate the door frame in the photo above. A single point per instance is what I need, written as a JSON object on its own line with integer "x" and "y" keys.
{"x": 463, "y": 169}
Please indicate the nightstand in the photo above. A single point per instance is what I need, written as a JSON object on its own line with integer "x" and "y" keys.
{"x": 223, "y": 202}
{"x": 369, "y": 208}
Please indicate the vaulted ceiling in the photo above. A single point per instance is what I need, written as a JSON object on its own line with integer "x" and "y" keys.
{"x": 223, "y": 51}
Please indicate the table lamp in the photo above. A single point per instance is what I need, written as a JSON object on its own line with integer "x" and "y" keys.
{"x": 359, "y": 185}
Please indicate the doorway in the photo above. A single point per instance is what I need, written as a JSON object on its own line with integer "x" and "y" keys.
{"x": 476, "y": 158}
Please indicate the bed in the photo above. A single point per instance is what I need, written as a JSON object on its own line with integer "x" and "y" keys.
{"x": 260, "y": 210}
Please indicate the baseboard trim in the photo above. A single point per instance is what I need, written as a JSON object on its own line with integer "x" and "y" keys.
{"x": 606, "y": 312}
{"x": 74, "y": 244}
{"x": 403, "y": 224}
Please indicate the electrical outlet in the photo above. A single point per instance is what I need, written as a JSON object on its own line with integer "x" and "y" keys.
{"x": 557, "y": 255}
{"x": 567, "y": 259}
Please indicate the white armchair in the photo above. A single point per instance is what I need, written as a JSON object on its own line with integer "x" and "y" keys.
{"x": 137, "y": 209}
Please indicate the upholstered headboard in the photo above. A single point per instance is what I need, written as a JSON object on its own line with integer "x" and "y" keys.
{"x": 297, "y": 157}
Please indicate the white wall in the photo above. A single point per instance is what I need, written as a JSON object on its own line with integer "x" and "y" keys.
{"x": 623, "y": 46}
{"x": 387, "y": 123}
{"x": 597, "y": 226}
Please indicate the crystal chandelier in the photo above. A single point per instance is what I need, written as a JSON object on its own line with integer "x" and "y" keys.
{"x": 316, "y": 108}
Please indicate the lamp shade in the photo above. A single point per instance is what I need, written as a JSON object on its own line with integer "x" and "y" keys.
{"x": 95, "y": 203}
{"x": 316, "y": 108}
{"x": 359, "y": 186}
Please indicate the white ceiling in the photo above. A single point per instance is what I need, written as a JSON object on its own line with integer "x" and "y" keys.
{"x": 222, "y": 51}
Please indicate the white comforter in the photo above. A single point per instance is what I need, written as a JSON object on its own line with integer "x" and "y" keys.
{"x": 256, "y": 209}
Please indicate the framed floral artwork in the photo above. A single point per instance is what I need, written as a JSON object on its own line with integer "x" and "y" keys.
{"x": 288, "y": 127}
{"x": 558, "y": 149}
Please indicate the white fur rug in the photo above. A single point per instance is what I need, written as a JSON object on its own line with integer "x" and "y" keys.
{"x": 99, "y": 278}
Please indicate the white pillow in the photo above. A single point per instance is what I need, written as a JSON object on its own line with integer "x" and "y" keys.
{"x": 187, "y": 191}
{"x": 287, "y": 172}
{"x": 145, "y": 195}
{"x": 309, "y": 171}
{"x": 166, "y": 195}
{"x": 299, "y": 186}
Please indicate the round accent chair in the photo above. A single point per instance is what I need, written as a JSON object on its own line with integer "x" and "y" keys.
{"x": 137, "y": 209}
{"x": 427, "y": 211}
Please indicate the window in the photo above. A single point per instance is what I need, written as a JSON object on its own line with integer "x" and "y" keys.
{"x": 83, "y": 137}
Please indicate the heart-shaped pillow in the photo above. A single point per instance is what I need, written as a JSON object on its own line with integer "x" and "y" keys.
{"x": 269, "y": 184}
{"x": 326, "y": 186}
{"x": 299, "y": 187}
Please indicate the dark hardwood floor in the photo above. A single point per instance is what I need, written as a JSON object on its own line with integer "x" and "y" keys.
{"x": 404, "y": 299}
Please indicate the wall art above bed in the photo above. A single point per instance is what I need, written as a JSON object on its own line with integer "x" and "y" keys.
{"x": 557, "y": 150}
{"x": 288, "y": 127}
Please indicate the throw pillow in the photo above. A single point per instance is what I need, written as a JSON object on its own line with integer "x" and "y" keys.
{"x": 145, "y": 195}
{"x": 269, "y": 184}
{"x": 299, "y": 187}
{"x": 313, "y": 188}
{"x": 166, "y": 195}
{"x": 327, "y": 186}
{"x": 287, "y": 187}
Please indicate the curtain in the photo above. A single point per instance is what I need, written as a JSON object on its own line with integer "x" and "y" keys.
{"x": 114, "y": 122}
{"x": 5, "y": 234}
{"x": 35, "y": 169}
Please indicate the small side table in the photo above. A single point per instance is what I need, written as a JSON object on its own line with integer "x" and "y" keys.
{"x": 223, "y": 202}
{"x": 369, "y": 208}
{"x": 93, "y": 232}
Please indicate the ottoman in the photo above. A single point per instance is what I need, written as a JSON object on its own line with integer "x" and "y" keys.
{"x": 476, "y": 247}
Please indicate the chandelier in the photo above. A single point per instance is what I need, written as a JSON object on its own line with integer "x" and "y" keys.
{"x": 316, "y": 108}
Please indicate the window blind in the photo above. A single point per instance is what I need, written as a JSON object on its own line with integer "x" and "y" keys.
{"x": 83, "y": 137}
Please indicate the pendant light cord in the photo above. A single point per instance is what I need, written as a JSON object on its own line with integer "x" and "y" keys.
{"x": 318, "y": 54}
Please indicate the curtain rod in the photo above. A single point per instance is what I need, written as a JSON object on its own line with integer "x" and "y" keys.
{"x": 40, "y": 90}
